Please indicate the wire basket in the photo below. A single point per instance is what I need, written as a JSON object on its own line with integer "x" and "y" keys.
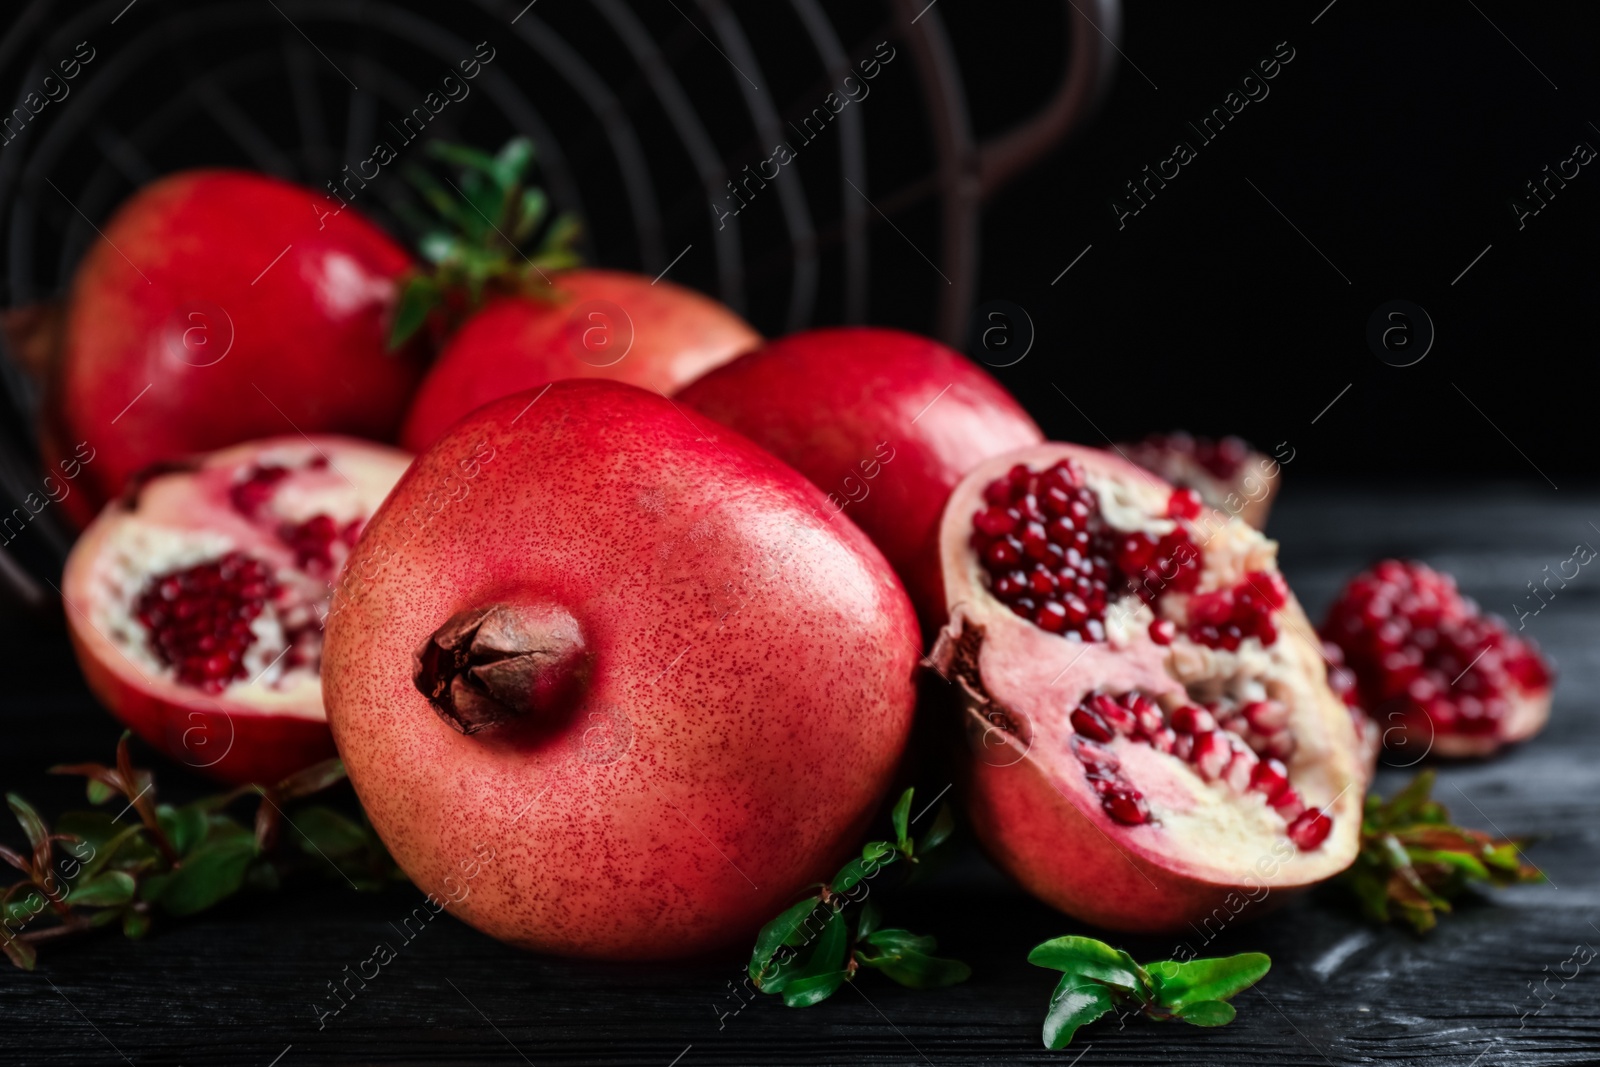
{"x": 658, "y": 123}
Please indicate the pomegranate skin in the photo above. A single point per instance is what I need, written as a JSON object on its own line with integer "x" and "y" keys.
{"x": 243, "y": 734}
{"x": 671, "y": 335}
{"x": 1205, "y": 855}
{"x": 190, "y": 269}
{"x": 833, "y": 403}
{"x": 745, "y": 688}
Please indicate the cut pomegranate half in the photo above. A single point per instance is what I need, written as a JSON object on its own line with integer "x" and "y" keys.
{"x": 1227, "y": 473}
{"x": 1151, "y": 713}
{"x": 196, "y": 602}
{"x": 1440, "y": 675}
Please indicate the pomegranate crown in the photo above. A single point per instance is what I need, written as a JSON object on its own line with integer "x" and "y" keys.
{"x": 475, "y": 239}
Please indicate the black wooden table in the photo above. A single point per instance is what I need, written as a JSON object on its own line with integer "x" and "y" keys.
{"x": 1493, "y": 985}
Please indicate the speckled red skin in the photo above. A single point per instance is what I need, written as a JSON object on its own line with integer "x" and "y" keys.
{"x": 750, "y": 685}
{"x": 518, "y": 343}
{"x": 308, "y": 351}
{"x": 826, "y": 401}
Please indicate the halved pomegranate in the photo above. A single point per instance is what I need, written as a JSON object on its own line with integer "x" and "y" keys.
{"x": 1227, "y": 472}
{"x": 1152, "y": 717}
{"x": 196, "y": 601}
{"x": 1434, "y": 670}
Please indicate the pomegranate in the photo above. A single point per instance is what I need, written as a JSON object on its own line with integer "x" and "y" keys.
{"x": 649, "y": 678}
{"x": 594, "y": 324}
{"x": 1227, "y": 473}
{"x": 195, "y": 602}
{"x": 884, "y": 422}
{"x": 220, "y": 309}
{"x": 1153, "y": 722}
{"x": 1442, "y": 676}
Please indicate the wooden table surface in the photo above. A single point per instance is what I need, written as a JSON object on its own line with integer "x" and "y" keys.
{"x": 242, "y": 986}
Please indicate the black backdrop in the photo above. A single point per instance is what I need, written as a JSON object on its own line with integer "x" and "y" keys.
{"x": 1393, "y": 142}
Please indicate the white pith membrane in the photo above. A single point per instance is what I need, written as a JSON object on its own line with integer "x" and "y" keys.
{"x": 1029, "y": 681}
{"x": 183, "y": 519}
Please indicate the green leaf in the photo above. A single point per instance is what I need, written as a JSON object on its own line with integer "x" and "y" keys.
{"x": 105, "y": 890}
{"x": 901, "y": 817}
{"x": 34, "y": 827}
{"x": 213, "y": 872}
{"x": 512, "y": 162}
{"x": 98, "y": 791}
{"x": 868, "y": 920}
{"x": 861, "y": 868}
{"x": 23, "y": 907}
{"x": 828, "y": 950}
{"x": 185, "y": 827}
{"x": 909, "y": 960}
{"x": 326, "y": 832}
{"x": 1092, "y": 959}
{"x": 944, "y": 825}
{"x": 1077, "y": 1001}
{"x": 418, "y": 297}
{"x": 1467, "y": 864}
{"x": 776, "y": 934}
{"x": 1208, "y": 1013}
{"x": 18, "y": 952}
{"x": 462, "y": 156}
{"x": 1178, "y": 985}
{"x": 804, "y": 992}
{"x": 135, "y": 924}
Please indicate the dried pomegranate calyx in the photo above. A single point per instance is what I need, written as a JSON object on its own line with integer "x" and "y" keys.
{"x": 493, "y": 665}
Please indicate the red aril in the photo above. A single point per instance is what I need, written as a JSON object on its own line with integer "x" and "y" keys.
{"x": 1131, "y": 773}
{"x": 1226, "y": 473}
{"x": 196, "y": 601}
{"x": 1438, "y": 674}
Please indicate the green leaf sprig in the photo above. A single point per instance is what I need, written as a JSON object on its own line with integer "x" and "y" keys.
{"x": 1413, "y": 862}
{"x": 1097, "y": 979}
{"x": 484, "y": 217}
{"x": 179, "y": 860}
{"x": 813, "y": 947}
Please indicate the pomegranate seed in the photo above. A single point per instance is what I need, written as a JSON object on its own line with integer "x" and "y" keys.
{"x": 995, "y": 521}
{"x": 1192, "y": 719}
{"x": 1051, "y": 617}
{"x": 1309, "y": 829}
{"x": 1090, "y": 725}
{"x": 1240, "y": 770}
{"x": 1162, "y": 631}
{"x": 193, "y": 613}
{"x": 1184, "y": 504}
{"x": 1129, "y": 808}
{"x": 1269, "y": 777}
{"x": 1266, "y": 716}
{"x": 1288, "y": 803}
{"x": 1211, "y": 754}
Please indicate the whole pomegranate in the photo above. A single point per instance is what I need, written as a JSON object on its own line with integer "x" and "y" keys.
{"x": 1154, "y": 737}
{"x": 1440, "y": 676}
{"x": 612, "y": 666}
{"x": 1227, "y": 473}
{"x": 218, "y": 309}
{"x": 884, "y": 422}
{"x": 591, "y": 324}
{"x": 195, "y": 601}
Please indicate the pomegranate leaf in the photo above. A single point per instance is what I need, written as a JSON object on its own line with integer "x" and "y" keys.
{"x": 1180, "y": 985}
{"x": 485, "y": 216}
{"x": 33, "y": 826}
{"x": 1077, "y": 1001}
{"x": 909, "y": 960}
{"x": 1099, "y": 977}
{"x": 104, "y": 890}
{"x": 214, "y": 871}
{"x": 806, "y": 953}
{"x": 901, "y": 818}
{"x": 1414, "y": 862}
{"x": 1208, "y": 1013}
{"x": 18, "y": 951}
{"x": 185, "y": 827}
{"x": 1092, "y": 959}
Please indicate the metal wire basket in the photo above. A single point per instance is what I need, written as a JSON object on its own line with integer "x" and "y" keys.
{"x": 657, "y": 124}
